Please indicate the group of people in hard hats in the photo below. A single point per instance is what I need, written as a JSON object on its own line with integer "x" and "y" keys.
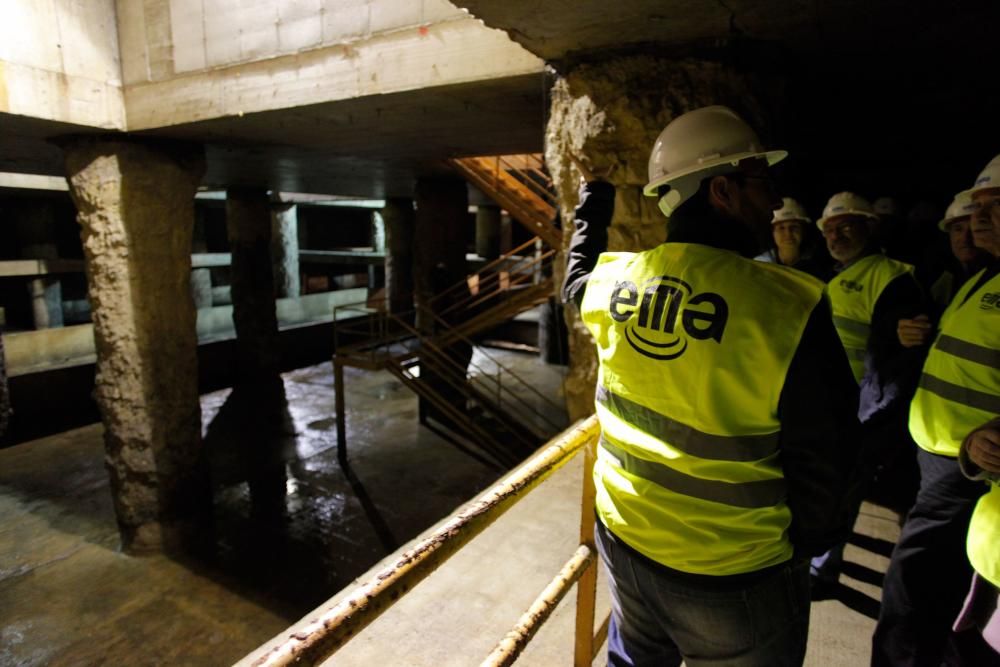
{"x": 748, "y": 407}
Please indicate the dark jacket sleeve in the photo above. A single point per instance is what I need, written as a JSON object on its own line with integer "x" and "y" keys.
{"x": 590, "y": 237}
{"x": 820, "y": 443}
{"x": 891, "y": 370}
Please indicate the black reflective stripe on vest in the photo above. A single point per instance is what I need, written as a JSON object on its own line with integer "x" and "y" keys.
{"x": 764, "y": 493}
{"x": 856, "y": 326}
{"x": 979, "y": 400}
{"x": 685, "y": 438}
{"x": 979, "y": 354}
{"x": 855, "y": 353}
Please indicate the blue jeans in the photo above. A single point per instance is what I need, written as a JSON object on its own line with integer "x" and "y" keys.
{"x": 929, "y": 572}
{"x": 659, "y": 617}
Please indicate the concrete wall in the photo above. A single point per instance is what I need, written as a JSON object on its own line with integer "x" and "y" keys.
{"x": 37, "y": 351}
{"x": 59, "y": 61}
{"x": 190, "y": 60}
{"x": 164, "y": 38}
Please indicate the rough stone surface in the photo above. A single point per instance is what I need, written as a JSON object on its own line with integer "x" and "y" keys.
{"x": 135, "y": 206}
{"x": 248, "y": 225}
{"x": 399, "y": 222}
{"x": 610, "y": 114}
{"x": 285, "y": 250}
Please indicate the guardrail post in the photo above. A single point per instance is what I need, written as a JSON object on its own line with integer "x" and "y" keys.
{"x": 586, "y": 591}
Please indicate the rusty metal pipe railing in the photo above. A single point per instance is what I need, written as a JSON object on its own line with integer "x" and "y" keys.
{"x": 322, "y": 636}
{"x": 511, "y": 646}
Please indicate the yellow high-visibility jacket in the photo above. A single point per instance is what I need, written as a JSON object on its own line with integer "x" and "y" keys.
{"x": 694, "y": 344}
{"x": 959, "y": 388}
{"x": 853, "y": 294}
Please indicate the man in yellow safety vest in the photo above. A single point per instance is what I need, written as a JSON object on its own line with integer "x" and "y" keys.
{"x": 959, "y": 391}
{"x": 727, "y": 410}
{"x": 873, "y": 298}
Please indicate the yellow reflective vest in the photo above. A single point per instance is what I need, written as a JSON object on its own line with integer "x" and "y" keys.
{"x": 959, "y": 388}
{"x": 694, "y": 344}
{"x": 853, "y": 294}
{"x": 984, "y": 536}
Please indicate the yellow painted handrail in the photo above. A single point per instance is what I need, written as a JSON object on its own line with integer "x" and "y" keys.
{"x": 322, "y": 636}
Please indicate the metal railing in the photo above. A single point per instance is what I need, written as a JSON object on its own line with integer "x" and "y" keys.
{"x": 319, "y": 638}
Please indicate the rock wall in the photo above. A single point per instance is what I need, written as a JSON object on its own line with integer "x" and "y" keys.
{"x": 609, "y": 114}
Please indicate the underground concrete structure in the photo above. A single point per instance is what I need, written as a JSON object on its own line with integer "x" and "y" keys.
{"x": 135, "y": 203}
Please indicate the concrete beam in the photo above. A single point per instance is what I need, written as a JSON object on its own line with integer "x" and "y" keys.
{"x": 456, "y": 51}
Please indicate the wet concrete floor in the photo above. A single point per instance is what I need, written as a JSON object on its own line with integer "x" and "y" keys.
{"x": 292, "y": 524}
{"x": 293, "y": 527}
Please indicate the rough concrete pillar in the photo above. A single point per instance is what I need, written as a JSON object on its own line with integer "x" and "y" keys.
{"x": 4, "y": 390}
{"x": 611, "y": 113}
{"x": 201, "y": 279}
{"x": 488, "y": 230}
{"x": 135, "y": 204}
{"x": 398, "y": 217}
{"x": 34, "y": 221}
{"x": 285, "y": 250}
{"x": 442, "y": 212}
{"x": 248, "y": 225}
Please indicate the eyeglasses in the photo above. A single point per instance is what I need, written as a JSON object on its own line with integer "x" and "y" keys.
{"x": 845, "y": 227}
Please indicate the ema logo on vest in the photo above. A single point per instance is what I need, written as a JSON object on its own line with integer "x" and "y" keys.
{"x": 851, "y": 286}
{"x": 664, "y": 301}
{"x": 990, "y": 301}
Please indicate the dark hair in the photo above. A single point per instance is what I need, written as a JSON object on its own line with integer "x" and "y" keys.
{"x": 697, "y": 221}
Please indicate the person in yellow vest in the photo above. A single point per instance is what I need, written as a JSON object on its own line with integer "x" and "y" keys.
{"x": 872, "y": 296}
{"x": 727, "y": 410}
{"x": 959, "y": 390}
{"x": 979, "y": 458}
{"x": 966, "y": 259}
{"x": 793, "y": 241}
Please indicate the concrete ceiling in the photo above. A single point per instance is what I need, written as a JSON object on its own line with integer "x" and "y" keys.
{"x": 559, "y": 30}
{"x": 913, "y": 58}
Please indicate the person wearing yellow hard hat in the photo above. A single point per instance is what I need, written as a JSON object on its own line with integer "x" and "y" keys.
{"x": 793, "y": 240}
{"x": 965, "y": 258}
{"x": 959, "y": 391}
{"x": 727, "y": 447}
{"x": 870, "y": 295}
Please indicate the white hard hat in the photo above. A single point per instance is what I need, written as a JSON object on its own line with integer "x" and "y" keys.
{"x": 961, "y": 207}
{"x": 988, "y": 177}
{"x": 790, "y": 210}
{"x": 886, "y": 206}
{"x": 846, "y": 203}
{"x": 701, "y": 143}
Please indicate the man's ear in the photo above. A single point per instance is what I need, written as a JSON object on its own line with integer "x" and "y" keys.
{"x": 721, "y": 194}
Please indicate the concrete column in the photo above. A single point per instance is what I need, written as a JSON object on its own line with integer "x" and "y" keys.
{"x": 4, "y": 390}
{"x": 441, "y": 219}
{"x": 201, "y": 279}
{"x": 376, "y": 273}
{"x": 35, "y": 225}
{"x": 488, "y": 229}
{"x": 248, "y": 224}
{"x": 135, "y": 204}
{"x": 588, "y": 118}
{"x": 398, "y": 218}
{"x": 285, "y": 249}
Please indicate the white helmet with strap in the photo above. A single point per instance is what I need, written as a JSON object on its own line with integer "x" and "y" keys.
{"x": 846, "y": 203}
{"x": 988, "y": 178}
{"x": 961, "y": 207}
{"x": 701, "y": 143}
{"x": 790, "y": 211}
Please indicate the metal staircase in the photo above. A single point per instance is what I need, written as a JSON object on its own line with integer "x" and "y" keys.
{"x": 483, "y": 410}
{"x": 520, "y": 184}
